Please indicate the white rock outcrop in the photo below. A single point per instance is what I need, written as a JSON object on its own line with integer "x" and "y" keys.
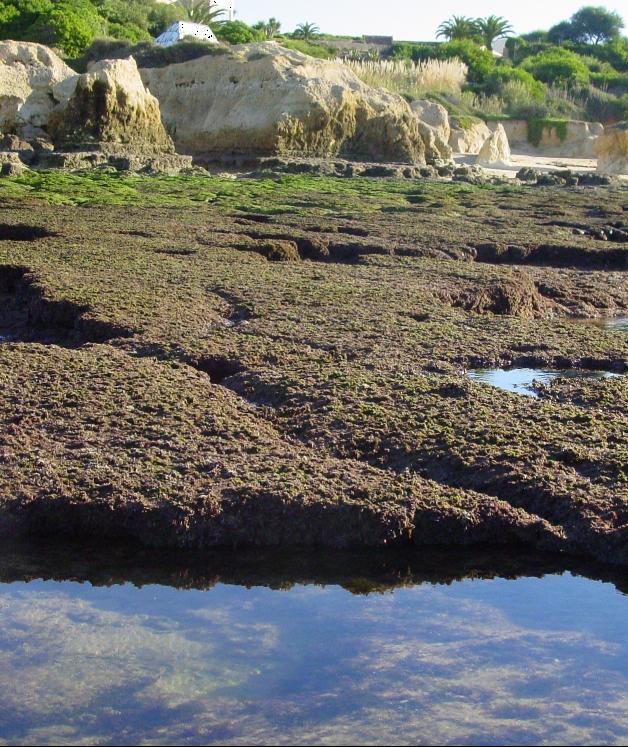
{"x": 435, "y": 130}
{"x": 612, "y": 150}
{"x": 468, "y": 136}
{"x": 262, "y": 99}
{"x": 28, "y": 74}
{"x": 433, "y": 114}
{"x": 495, "y": 152}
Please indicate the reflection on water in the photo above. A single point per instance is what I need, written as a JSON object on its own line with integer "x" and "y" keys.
{"x": 615, "y": 323}
{"x": 491, "y": 658}
{"x": 619, "y": 324}
{"x": 522, "y": 380}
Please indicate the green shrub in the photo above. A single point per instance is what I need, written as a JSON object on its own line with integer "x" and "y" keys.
{"x": 480, "y": 61}
{"x": 526, "y": 83}
{"x": 146, "y": 54}
{"x": 519, "y": 48}
{"x": 313, "y": 49}
{"x": 69, "y": 25}
{"x": 417, "y": 52}
{"x": 558, "y": 67}
{"x": 604, "y": 107}
{"x": 615, "y": 53}
{"x": 611, "y": 79}
{"x": 129, "y": 31}
{"x": 72, "y": 25}
{"x": 237, "y": 32}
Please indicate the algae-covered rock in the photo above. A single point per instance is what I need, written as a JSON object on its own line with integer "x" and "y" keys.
{"x": 10, "y": 164}
{"x": 496, "y": 150}
{"x": 612, "y": 150}
{"x": 264, "y": 100}
{"x": 109, "y": 105}
{"x": 28, "y": 74}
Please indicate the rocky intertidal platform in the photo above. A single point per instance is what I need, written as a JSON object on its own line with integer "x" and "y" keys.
{"x": 205, "y": 361}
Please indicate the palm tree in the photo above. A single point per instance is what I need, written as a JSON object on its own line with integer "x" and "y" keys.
{"x": 458, "y": 27}
{"x": 493, "y": 27}
{"x": 202, "y": 11}
{"x": 306, "y": 31}
{"x": 270, "y": 28}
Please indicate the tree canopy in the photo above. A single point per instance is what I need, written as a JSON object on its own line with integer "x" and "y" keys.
{"x": 458, "y": 27}
{"x": 70, "y": 25}
{"x": 590, "y": 25}
{"x": 306, "y": 31}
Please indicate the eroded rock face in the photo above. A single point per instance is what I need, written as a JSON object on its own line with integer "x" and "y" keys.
{"x": 28, "y": 73}
{"x": 109, "y": 106}
{"x": 612, "y": 150}
{"x": 470, "y": 138}
{"x": 573, "y": 140}
{"x": 433, "y": 114}
{"x": 435, "y": 130}
{"x": 262, "y": 99}
{"x": 496, "y": 150}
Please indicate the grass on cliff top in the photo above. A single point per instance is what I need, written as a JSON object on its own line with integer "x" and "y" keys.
{"x": 333, "y": 195}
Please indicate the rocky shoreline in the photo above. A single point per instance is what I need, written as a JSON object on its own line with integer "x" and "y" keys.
{"x": 279, "y": 355}
{"x": 284, "y": 363}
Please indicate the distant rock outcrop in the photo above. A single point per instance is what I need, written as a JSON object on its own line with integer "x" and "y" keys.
{"x": 468, "y": 136}
{"x": 433, "y": 114}
{"x": 28, "y": 74}
{"x": 262, "y": 100}
{"x": 495, "y": 152}
{"x": 435, "y": 130}
{"x": 109, "y": 106}
{"x": 568, "y": 139}
{"x": 612, "y": 150}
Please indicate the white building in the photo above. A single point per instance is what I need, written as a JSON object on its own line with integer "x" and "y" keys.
{"x": 182, "y": 30}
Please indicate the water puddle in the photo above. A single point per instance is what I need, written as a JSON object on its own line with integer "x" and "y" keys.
{"x": 422, "y": 651}
{"x": 523, "y": 380}
{"x": 614, "y": 323}
{"x": 444, "y": 649}
{"x": 620, "y": 324}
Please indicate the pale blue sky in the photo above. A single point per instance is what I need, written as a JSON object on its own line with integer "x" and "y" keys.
{"x": 408, "y": 19}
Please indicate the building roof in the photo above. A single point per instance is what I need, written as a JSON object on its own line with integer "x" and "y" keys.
{"x": 183, "y": 30}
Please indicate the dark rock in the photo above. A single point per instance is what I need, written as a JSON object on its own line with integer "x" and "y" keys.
{"x": 527, "y": 175}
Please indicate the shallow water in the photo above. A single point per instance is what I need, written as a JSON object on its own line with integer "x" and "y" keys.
{"x": 481, "y": 653}
{"x": 620, "y": 324}
{"x": 521, "y": 380}
{"x": 615, "y": 323}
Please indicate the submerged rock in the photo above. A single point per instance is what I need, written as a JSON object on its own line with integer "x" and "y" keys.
{"x": 612, "y": 150}
{"x": 265, "y": 100}
{"x": 496, "y": 150}
{"x": 28, "y": 74}
{"x": 109, "y": 105}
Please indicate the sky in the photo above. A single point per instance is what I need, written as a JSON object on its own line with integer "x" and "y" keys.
{"x": 409, "y": 19}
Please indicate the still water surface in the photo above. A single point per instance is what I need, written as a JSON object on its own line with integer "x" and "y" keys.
{"x": 524, "y": 380}
{"x": 471, "y": 656}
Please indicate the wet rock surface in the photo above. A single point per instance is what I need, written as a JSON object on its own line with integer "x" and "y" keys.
{"x": 231, "y": 399}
